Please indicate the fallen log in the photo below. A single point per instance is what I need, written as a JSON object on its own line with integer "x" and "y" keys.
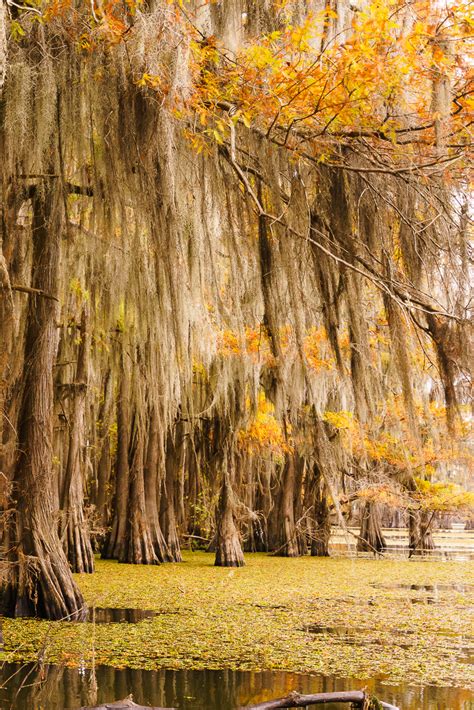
{"x": 126, "y": 704}
{"x": 358, "y": 698}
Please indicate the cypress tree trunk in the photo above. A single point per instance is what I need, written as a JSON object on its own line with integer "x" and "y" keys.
{"x": 287, "y": 539}
{"x": 6, "y": 321}
{"x": 138, "y": 547}
{"x": 322, "y": 525}
{"x": 39, "y": 581}
{"x": 168, "y": 509}
{"x": 152, "y": 488}
{"x": 104, "y": 460}
{"x": 371, "y": 538}
{"x": 228, "y": 548}
{"x": 75, "y": 528}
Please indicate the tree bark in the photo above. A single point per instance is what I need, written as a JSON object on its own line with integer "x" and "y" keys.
{"x": 228, "y": 548}
{"x": 138, "y": 547}
{"x": 371, "y": 538}
{"x": 38, "y": 580}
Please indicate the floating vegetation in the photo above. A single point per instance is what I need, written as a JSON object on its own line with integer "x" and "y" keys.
{"x": 199, "y": 616}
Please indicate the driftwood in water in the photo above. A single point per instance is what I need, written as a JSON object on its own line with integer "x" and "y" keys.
{"x": 126, "y": 704}
{"x": 358, "y": 698}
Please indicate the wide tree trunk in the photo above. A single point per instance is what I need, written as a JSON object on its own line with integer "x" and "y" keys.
{"x": 75, "y": 528}
{"x": 228, "y": 548}
{"x": 38, "y": 580}
{"x": 371, "y": 538}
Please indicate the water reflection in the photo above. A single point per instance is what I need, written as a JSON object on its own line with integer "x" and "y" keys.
{"x": 109, "y": 615}
{"x": 430, "y": 588}
{"x": 57, "y": 688}
{"x": 455, "y": 554}
{"x": 457, "y": 645}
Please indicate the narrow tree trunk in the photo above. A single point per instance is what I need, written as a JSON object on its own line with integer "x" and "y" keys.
{"x": 371, "y": 538}
{"x": 114, "y": 547}
{"x": 6, "y": 341}
{"x": 287, "y": 541}
{"x": 152, "y": 491}
{"x": 138, "y": 547}
{"x": 104, "y": 462}
{"x": 168, "y": 510}
{"x": 75, "y": 528}
{"x": 39, "y": 581}
{"x": 322, "y": 525}
{"x": 228, "y": 548}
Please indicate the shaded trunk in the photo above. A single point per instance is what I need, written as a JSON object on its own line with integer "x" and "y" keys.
{"x": 105, "y": 462}
{"x": 321, "y": 531}
{"x": 75, "y": 528}
{"x": 114, "y": 547}
{"x": 6, "y": 341}
{"x": 371, "y": 538}
{"x": 168, "y": 509}
{"x": 39, "y": 581}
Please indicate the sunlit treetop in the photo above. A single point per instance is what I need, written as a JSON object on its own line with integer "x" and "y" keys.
{"x": 398, "y": 75}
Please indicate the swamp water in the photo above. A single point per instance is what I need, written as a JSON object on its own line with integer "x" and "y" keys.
{"x": 55, "y": 687}
{"x": 26, "y": 687}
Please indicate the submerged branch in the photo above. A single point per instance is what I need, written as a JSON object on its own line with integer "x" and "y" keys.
{"x": 357, "y": 698}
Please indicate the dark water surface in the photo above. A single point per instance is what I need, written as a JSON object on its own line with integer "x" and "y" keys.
{"x": 111, "y": 615}
{"x": 57, "y": 688}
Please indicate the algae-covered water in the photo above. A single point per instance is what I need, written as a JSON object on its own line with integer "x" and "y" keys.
{"x": 192, "y": 635}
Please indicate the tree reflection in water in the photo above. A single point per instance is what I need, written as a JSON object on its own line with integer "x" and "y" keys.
{"x": 30, "y": 687}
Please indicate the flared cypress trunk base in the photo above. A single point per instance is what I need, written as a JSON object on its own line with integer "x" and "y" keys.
{"x": 229, "y": 552}
{"x": 40, "y": 584}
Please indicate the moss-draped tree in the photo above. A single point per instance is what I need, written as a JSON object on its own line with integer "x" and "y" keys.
{"x": 232, "y": 279}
